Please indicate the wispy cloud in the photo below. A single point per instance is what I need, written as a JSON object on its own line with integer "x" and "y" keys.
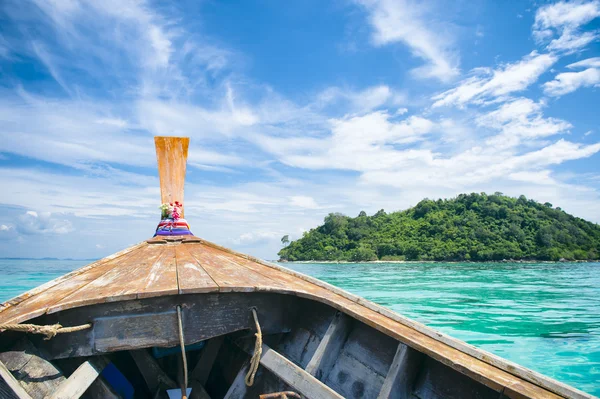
{"x": 568, "y": 82}
{"x": 488, "y": 85}
{"x": 411, "y": 23}
{"x": 558, "y": 25}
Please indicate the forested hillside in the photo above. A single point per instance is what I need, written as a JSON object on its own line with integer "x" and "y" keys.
{"x": 475, "y": 227}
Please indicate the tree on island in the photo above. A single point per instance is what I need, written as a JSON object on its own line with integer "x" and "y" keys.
{"x": 470, "y": 227}
{"x": 285, "y": 240}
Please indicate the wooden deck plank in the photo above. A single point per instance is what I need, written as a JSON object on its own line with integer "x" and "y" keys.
{"x": 161, "y": 278}
{"x": 39, "y": 303}
{"x": 230, "y": 276}
{"x": 191, "y": 276}
{"x": 44, "y": 287}
{"x": 123, "y": 282}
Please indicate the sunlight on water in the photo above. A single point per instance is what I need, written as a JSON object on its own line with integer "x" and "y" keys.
{"x": 543, "y": 316}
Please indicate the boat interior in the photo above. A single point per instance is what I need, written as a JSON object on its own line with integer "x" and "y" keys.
{"x": 309, "y": 348}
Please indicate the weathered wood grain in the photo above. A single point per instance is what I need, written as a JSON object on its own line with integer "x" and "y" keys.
{"x": 437, "y": 381}
{"x": 312, "y": 321}
{"x": 360, "y": 367}
{"x": 99, "y": 389}
{"x": 400, "y": 378}
{"x": 135, "y": 331}
{"x": 207, "y": 359}
{"x": 38, "y": 303}
{"x": 46, "y": 286}
{"x": 9, "y": 386}
{"x": 35, "y": 374}
{"x": 294, "y": 376}
{"x": 161, "y": 278}
{"x": 191, "y": 276}
{"x": 171, "y": 154}
{"x": 81, "y": 379}
{"x": 204, "y": 316}
{"x": 124, "y": 282}
{"x": 329, "y": 349}
{"x": 229, "y": 275}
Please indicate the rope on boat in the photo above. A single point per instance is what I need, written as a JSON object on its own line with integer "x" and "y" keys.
{"x": 183, "y": 357}
{"x": 255, "y": 361}
{"x": 49, "y": 331}
{"x": 280, "y": 395}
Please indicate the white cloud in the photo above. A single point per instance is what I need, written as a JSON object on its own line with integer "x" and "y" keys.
{"x": 303, "y": 201}
{"x": 362, "y": 100}
{"x": 587, "y": 63}
{"x": 542, "y": 177}
{"x": 254, "y": 237}
{"x": 141, "y": 30}
{"x": 116, "y": 122}
{"x": 43, "y": 223}
{"x": 565, "y": 19}
{"x": 568, "y": 82}
{"x": 487, "y": 84}
{"x": 409, "y": 22}
{"x": 5, "y": 228}
{"x": 520, "y": 120}
{"x": 356, "y": 143}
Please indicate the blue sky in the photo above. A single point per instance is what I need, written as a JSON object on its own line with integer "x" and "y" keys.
{"x": 294, "y": 110}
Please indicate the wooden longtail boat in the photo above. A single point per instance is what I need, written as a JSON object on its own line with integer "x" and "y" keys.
{"x": 250, "y": 329}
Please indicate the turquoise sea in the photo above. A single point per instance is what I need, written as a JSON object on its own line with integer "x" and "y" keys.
{"x": 543, "y": 316}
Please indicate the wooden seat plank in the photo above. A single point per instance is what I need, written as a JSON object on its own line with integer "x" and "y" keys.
{"x": 81, "y": 379}
{"x": 191, "y": 276}
{"x": 230, "y": 276}
{"x": 39, "y": 303}
{"x": 294, "y": 376}
{"x": 123, "y": 282}
{"x": 9, "y": 386}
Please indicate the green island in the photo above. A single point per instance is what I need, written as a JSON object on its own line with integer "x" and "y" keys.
{"x": 470, "y": 227}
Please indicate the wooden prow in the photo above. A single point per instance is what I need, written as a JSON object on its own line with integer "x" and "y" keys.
{"x": 171, "y": 155}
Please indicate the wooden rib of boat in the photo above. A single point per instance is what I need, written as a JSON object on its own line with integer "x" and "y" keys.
{"x": 318, "y": 341}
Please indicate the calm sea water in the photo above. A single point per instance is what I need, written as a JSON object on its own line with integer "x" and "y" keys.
{"x": 542, "y": 316}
